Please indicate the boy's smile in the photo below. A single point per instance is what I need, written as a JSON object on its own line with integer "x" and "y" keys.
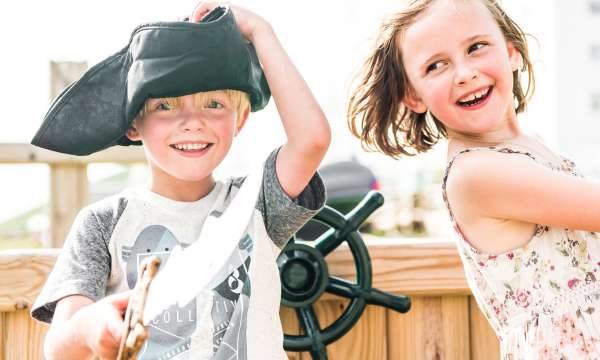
{"x": 185, "y": 139}
{"x": 460, "y": 67}
{"x": 192, "y": 149}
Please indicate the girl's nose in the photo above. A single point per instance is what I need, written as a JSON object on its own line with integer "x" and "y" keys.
{"x": 464, "y": 74}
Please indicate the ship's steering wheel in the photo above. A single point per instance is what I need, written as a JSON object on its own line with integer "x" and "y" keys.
{"x": 305, "y": 277}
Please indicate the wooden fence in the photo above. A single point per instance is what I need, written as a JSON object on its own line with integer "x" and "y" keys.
{"x": 444, "y": 322}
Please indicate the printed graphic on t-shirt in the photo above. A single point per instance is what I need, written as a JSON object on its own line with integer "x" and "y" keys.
{"x": 170, "y": 332}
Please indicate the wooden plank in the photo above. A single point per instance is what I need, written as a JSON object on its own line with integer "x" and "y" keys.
{"x": 406, "y": 332}
{"x": 68, "y": 194}
{"x": 434, "y": 328}
{"x": 23, "y": 273}
{"x": 366, "y": 340}
{"x": 414, "y": 267}
{"x": 484, "y": 342}
{"x": 291, "y": 326}
{"x": 2, "y": 337}
{"x": 455, "y": 327}
{"x": 24, "y": 335}
{"x": 27, "y": 154}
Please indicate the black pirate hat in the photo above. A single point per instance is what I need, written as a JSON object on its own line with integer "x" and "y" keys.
{"x": 164, "y": 59}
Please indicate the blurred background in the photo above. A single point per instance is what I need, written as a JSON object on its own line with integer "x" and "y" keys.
{"x": 328, "y": 41}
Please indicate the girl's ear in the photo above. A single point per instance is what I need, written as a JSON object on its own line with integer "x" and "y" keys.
{"x": 241, "y": 121}
{"x": 413, "y": 102}
{"x": 514, "y": 56}
{"x": 133, "y": 134}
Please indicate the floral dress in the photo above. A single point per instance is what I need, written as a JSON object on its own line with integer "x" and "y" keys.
{"x": 542, "y": 299}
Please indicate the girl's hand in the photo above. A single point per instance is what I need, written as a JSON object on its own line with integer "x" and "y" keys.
{"x": 247, "y": 21}
{"x": 102, "y": 324}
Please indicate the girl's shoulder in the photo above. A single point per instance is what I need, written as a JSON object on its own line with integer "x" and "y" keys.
{"x": 485, "y": 167}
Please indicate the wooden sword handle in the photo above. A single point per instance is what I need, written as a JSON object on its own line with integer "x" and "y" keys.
{"x": 135, "y": 333}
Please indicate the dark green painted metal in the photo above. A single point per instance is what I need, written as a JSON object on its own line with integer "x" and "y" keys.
{"x": 302, "y": 281}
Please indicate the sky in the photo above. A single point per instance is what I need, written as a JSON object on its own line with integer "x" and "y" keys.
{"x": 327, "y": 40}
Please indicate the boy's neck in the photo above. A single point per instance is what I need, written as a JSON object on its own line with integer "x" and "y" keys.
{"x": 185, "y": 191}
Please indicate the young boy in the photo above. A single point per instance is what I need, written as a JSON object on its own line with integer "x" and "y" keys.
{"x": 185, "y": 136}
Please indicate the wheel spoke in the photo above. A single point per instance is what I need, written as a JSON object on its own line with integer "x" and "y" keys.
{"x": 343, "y": 288}
{"x": 328, "y": 242}
{"x": 312, "y": 329}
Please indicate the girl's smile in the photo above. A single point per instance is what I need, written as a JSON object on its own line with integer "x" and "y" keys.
{"x": 460, "y": 68}
{"x": 475, "y": 99}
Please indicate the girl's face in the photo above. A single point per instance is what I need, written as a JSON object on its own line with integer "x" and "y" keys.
{"x": 185, "y": 143}
{"x": 460, "y": 68}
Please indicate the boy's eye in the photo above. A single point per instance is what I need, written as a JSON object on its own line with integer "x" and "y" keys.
{"x": 213, "y": 104}
{"x": 476, "y": 47}
{"x": 163, "y": 106}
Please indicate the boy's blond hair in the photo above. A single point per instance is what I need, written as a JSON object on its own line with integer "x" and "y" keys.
{"x": 239, "y": 99}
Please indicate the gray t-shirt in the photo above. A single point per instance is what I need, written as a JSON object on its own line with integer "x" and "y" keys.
{"x": 238, "y": 318}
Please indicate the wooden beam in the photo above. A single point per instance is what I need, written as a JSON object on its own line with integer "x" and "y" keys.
{"x": 407, "y": 266}
{"x": 24, "y": 272}
{"x": 404, "y": 267}
{"x": 27, "y": 154}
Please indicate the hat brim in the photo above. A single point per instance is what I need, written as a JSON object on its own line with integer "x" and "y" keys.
{"x": 165, "y": 59}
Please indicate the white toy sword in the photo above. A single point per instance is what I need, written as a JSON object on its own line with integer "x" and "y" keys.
{"x": 224, "y": 233}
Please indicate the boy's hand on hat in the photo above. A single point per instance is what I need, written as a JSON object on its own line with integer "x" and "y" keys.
{"x": 102, "y": 324}
{"x": 247, "y": 21}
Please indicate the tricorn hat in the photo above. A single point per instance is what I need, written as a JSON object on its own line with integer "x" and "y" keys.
{"x": 163, "y": 59}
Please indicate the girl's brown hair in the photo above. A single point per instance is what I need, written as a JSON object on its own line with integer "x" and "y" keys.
{"x": 376, "y": 114}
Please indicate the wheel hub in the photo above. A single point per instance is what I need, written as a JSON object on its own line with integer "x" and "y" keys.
{"x": 304, "y": 275}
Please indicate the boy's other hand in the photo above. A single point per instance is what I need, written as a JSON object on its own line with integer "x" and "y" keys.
{"x": 247, "y": 21}
{"x": 103, "y": 325}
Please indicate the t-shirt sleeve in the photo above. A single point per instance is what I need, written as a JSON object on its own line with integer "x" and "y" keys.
{"x": 83, "y": 266}
{"x": 282, "y": 215}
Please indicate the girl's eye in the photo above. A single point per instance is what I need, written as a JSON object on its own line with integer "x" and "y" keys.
{"x": 163, "y": 106}
{"x": 476, "y": 47}
{"x": 214, "y": 105}
{"x": 434, "y": 66}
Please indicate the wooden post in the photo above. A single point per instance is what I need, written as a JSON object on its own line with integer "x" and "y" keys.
{"x": 68, "y": 194}
{"x": 68, "y": 183}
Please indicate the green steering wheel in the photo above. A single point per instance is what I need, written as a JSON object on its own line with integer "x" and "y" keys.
{"x": 305, "y": 277}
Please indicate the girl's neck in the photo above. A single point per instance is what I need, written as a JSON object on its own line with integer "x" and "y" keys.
{"x": 488, "y": 139}
{"x": 507, "y": 134}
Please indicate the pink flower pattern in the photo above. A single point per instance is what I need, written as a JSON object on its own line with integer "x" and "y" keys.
{"x": 540, "y": 299}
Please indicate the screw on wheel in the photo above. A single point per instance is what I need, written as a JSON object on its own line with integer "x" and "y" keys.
{"x": 305, "y": 277}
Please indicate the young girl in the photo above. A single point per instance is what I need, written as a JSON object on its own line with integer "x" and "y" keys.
{"x": 525, "y": 219}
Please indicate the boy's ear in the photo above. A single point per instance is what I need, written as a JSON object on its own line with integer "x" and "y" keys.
{"x": 413, "y": 102}
{"x": 133, "y": 134}
{"x": 241, "y": 121}
{"x": 514, "y": 56}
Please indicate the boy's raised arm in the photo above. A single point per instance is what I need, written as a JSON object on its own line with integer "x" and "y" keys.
{"x": 306, "y": 127}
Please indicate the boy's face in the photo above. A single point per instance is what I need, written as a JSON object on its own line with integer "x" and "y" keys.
{"x": 187, "y": 139}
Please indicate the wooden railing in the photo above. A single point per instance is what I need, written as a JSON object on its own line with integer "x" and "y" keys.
{"x": 444, "y": 322}
{"x": 68, "y": 178}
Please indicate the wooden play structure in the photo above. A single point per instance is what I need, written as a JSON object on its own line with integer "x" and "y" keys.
{"x": 444, "y": 321}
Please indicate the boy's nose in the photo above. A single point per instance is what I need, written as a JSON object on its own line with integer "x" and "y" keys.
{"x": 192, "y": 121}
